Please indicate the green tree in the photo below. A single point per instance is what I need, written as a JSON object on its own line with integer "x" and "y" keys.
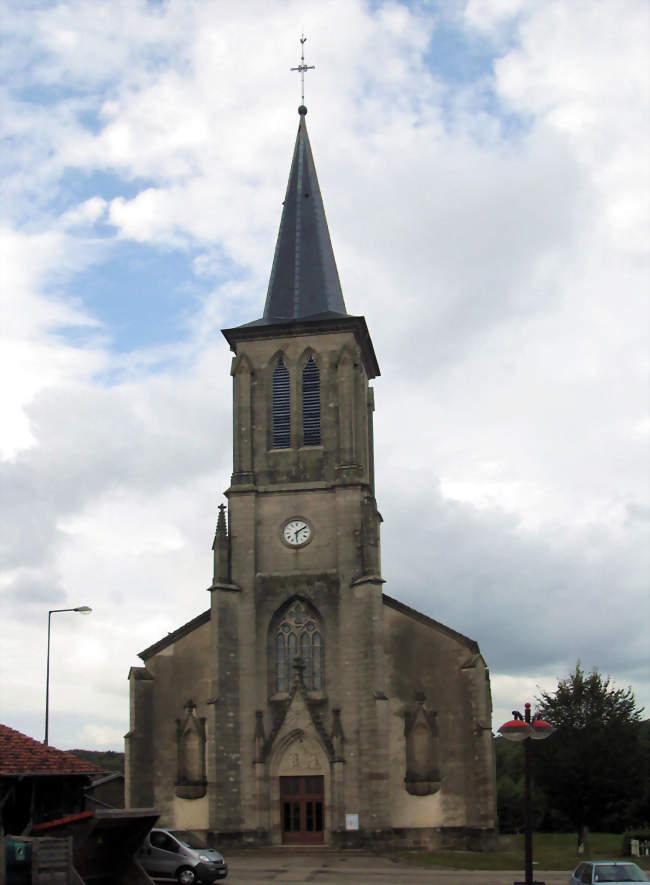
{"x": 510, "y": 789}
{"x": 109, "y": 760}
{"x": 593, "y": 769}
{"x": 510, "y": 786}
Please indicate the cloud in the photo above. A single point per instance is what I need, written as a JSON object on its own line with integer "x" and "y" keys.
{"x": 590, "y": 83}
{"x": 35, "y": 269}
{"x": 99, "y": 736}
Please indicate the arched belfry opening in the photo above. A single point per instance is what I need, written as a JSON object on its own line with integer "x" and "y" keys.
{"x": 281, "y": 406}
{"x": 311, "y": 429}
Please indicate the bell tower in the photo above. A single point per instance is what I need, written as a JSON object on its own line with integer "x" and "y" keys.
{"x": 302, "y": 404}
{"x": 302, "y": 542}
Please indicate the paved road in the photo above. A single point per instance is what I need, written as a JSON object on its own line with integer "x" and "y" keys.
{"x": 258, "y": 866}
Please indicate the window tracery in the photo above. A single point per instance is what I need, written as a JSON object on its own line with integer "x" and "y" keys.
{"x": 298, "y": 640}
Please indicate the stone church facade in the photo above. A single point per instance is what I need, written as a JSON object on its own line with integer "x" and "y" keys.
{"x": 305, "y": 705}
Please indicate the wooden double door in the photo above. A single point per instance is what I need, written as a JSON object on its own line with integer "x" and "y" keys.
{"x": 302, "y": 804}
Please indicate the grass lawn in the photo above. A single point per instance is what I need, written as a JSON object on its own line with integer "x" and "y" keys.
{"x": 551, "y": 851}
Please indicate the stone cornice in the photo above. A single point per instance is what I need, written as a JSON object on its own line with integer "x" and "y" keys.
{"x": 293, "y": 329}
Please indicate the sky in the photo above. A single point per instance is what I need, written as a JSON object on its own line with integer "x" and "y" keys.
{"x": 484, "y": 168}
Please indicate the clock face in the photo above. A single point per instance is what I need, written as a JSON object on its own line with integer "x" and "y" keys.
{"x": 297, "y": 532}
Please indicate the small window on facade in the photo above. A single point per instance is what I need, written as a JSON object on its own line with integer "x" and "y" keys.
{"x": 311, "y": 404}
{"x": 297, "y": 635}
{"x": 281, "y": 407}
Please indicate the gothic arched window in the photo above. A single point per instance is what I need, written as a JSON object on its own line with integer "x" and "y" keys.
{"x": 281, "y": 407}
{"x": 311, "y": 404}
{"x": 298, "y": 641}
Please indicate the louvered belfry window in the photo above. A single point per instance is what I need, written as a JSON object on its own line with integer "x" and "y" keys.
{"x": 311, "y": 404}
{"x": 281, "y": 407}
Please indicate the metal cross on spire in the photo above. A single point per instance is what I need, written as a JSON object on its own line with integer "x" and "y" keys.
{"x": 302, "y": 67}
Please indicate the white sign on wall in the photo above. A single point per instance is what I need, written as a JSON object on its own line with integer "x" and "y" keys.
{"x": 351, "y": 821}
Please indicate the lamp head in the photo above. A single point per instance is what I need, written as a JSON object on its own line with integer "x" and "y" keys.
{"x": 541, "y": 730}
{"x": 516, "y": 730}
{"x": 83, "y": 609}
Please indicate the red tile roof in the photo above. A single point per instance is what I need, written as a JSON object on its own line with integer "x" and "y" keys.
{"x": 20, "y": 754}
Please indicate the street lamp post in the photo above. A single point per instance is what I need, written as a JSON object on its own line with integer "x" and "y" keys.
{"x": 523, "y": 728}
{"x": 82, "y": 610}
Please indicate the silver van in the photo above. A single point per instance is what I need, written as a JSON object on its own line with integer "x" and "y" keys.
{"x": 175, "y": 854}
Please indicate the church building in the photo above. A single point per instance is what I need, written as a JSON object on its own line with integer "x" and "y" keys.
{"x": 306, "y": 706}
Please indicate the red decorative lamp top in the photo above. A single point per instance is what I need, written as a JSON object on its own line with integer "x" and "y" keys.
{"x": 516, "y": 730}
{"x": 541, "y": 730}
{"x": 522, "y": 727}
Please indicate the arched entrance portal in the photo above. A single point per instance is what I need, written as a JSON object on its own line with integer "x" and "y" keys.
{"x": 301, "y": 784}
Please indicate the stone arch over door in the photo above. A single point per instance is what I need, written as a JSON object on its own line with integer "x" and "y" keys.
{"x": 299, "y": 754}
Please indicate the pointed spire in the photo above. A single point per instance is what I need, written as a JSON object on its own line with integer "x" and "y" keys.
{"x": 304, "y": 291}
{"x": 221, "y": 522}
{"x": 304, "y": 280}
{"x": 221, "y": 547}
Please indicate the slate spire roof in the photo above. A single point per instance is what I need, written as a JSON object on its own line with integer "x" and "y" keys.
{"x": 304, "y": 280}
{"x": 304, "y": 294}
